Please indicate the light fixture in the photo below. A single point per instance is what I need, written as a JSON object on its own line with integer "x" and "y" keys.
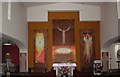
{"x": 7, "y": 43}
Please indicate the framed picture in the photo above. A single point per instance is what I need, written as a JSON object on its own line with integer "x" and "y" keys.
{"x": 97, "y": 67}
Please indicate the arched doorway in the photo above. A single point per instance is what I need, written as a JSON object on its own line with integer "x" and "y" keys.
{"x": 15, "y": 49}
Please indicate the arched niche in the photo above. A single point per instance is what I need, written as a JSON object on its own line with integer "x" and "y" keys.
{"x": 15, "y": 49}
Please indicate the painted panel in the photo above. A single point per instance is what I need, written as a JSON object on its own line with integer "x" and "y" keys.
{"x": 40, "y": 46}
{"x": 87, "y": 50}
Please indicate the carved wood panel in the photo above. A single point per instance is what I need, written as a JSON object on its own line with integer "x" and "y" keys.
{"x": 69, "y": 35}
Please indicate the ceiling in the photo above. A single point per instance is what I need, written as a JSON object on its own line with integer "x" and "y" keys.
{"x": 31, "y": 4}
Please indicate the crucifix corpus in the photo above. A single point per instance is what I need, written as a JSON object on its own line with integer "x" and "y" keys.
{"x": 63, "y": 33}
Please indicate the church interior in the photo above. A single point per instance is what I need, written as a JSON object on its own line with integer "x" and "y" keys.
{"x": 59, "y": 39}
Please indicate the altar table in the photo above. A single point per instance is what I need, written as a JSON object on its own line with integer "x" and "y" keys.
{"x": 64, "y": 68}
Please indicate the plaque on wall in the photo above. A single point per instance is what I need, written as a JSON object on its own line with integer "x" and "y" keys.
{"x": 105, "y": 59}
{"x": 87, "y": 47}
{"x": 40, "y": 46}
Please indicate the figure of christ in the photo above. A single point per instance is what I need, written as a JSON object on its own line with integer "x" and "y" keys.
{"x": 63, "y": 33}
{"x": 88, "y": 47}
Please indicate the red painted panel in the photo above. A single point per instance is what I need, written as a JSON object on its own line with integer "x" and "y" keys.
{"x": 14, "y": 52}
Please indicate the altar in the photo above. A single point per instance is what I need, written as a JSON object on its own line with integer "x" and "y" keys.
{"x": 64, "y": 68}
{"x": 63, "y": 38}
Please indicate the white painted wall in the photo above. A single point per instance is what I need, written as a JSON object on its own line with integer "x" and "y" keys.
{"x": 113, "y": 51}
{"x": 40, "y": 13}
{"x": 0, "y": 16}
{"x": 118, "y": 9}
{"x": 119, "y": 16}
{"x": 109, "y": 22}
{"x": 17, "y": 26}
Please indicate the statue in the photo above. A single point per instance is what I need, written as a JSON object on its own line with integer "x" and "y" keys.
{"x": 8, "y": 60}
{"x": 63, "y": 33}
{"x": 9, "y": 64}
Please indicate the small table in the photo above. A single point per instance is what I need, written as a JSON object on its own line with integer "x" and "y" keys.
{"x": 61, "y": 68}
{"x": 118, "y": 65}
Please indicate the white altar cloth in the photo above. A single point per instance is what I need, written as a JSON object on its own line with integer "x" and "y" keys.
{"x": 57, "y": 66}
{"x": 64, "y": 64}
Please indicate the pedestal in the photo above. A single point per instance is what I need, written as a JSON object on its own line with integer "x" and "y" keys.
{"x": 118, "y": 65}
{"x": 64, "y": 68}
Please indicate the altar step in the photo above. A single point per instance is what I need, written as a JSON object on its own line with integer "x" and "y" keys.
{"x": 52, "y": 74}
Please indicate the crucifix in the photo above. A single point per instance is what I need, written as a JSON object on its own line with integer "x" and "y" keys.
{"x": 63, "y": 33}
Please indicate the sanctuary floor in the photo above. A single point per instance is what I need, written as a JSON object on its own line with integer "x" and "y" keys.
{"x": 76, "y": 74}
